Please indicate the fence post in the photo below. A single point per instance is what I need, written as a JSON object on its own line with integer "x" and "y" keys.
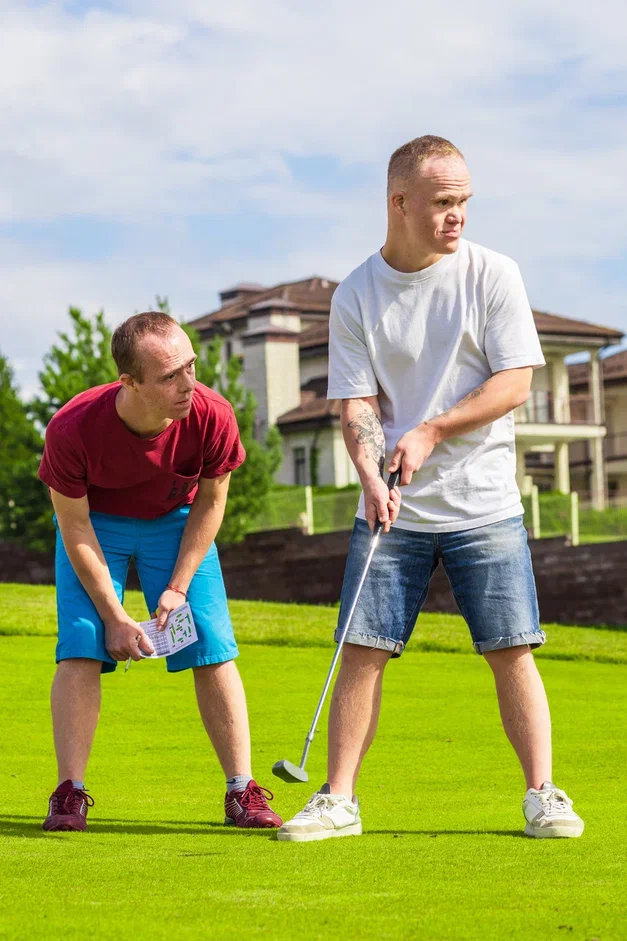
{"x": 309, "y": 510}
{"x": 574, "y": 518}
{"x": 535, "y": 512}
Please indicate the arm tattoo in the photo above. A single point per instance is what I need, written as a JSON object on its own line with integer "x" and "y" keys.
{"x": 370, "y": 435}
{"x": 468, "y": 398}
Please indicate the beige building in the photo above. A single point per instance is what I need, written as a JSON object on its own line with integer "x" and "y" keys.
{"x": 282, "y": 334}
{"x": 613, "y": 371}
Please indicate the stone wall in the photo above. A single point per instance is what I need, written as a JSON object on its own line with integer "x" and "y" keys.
{"x": 582, "y": 585}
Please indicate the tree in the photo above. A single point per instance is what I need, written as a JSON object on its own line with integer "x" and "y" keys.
{"x": 251, "y": 484}
{"x": 82, "y": 359}
{"x": 25, "y": 512}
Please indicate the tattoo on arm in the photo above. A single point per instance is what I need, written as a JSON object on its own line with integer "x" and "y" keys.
{"x": 468, "y": 398}
{"x": 370, "y": 435}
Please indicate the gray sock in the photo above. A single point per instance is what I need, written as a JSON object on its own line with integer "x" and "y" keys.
{"x": 79, "y": 785}
{"x": 238, "y": 783}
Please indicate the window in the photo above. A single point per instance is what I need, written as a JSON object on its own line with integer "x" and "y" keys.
{"x": 228, "y": 350}
{"x": 300, "y": 466}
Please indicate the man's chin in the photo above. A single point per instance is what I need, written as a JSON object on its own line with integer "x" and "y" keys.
{"x": 179, "y": 412}
{"x": 450, "y": 245}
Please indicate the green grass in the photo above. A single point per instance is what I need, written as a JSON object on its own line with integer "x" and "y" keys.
{"x": 29, "y": 610}
{"x": 436, "y": 862}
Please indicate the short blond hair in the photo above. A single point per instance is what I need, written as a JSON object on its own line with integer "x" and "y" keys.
{"x": 406, "y": 159}
{"x": 128, "y": 336}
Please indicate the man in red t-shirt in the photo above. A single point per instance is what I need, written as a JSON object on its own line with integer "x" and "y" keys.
{"x": 140, "y": 469}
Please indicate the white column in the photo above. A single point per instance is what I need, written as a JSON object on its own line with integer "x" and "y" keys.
{"x": 520, "y": 465}
{"x": 596, "y": 389}
{"x": 597, "y": 480}
{"x": 562, "y": 467}
{"x": 561, "y": 391}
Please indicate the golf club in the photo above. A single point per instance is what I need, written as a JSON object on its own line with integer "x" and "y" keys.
{"x": 286, "y": 770}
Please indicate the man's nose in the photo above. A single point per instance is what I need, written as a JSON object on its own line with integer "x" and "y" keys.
{"x": 456, "y": 214}
{"x": 188, "y": 383}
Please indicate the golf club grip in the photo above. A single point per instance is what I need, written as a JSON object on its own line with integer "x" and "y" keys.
{"x": 393, "y": 480}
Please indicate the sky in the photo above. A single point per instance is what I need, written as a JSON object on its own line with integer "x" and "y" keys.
{"x": 150, "y": 147}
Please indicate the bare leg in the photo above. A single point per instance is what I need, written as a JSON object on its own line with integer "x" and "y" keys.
{"x": 75, "y": 702}
{"x": 354, "y": 713}
{"x": 222, "y": 705}
{"x": 524, "y": 710}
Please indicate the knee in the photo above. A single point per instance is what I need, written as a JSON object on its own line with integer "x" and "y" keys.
{"x": 506, "y": 659}
{"x": 79, "y": 666}
{"x": 357, "y": 658}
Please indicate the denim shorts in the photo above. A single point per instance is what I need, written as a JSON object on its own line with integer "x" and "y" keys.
{"x": 154, "y": 546}
{"x": 489, "y": 570}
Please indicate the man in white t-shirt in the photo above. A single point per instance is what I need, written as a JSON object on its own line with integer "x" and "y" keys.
{"x": 432, "y": 347}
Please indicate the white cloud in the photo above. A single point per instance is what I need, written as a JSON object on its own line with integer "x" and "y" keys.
{"x": 160, "y": 111}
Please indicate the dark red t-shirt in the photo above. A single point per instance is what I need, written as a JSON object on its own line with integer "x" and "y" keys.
{"x": 90, "y": 452}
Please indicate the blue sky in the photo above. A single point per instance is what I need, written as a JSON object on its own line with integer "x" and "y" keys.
{"x": 151, "y": 147}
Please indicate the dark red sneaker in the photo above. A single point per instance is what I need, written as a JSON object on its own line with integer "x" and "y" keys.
{"x": 249, "y": 808}
{"x": 67, "y": 809}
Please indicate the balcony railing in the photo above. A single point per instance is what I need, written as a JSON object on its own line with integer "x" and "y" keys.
{"x": 615, "y": 446}
{"x": 540, "y": 409}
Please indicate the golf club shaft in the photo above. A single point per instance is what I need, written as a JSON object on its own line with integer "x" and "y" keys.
{"x": 374, "y": 541}
{"x": 336, "y": 655}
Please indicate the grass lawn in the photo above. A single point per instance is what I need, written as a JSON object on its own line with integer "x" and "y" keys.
{"x": 442, "y": 856}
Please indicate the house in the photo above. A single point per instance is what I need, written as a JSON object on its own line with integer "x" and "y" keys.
{"x": 613, "y": 370}
{"x": 282, "y": 335}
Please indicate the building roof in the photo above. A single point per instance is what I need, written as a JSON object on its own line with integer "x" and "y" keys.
{"x": 274, "y": 303}
{"x": 314, "y": 409}
{"x": 245, "y": 286}
{"x": 556, "y": 325}
{"x": 316, "y": 335}
{"x": 309, "y": 295}
{"x": 613, "y": 369}
{"x": 270, "y": 330}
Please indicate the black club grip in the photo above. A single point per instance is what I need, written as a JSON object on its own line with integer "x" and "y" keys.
{"x": 393, "y": 480}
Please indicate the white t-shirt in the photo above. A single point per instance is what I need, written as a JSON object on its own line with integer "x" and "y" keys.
{"x": 422, "y": 341}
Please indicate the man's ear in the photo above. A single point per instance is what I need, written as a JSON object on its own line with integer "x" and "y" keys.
{"x": 128, "y": 382}
{"x": 398, "y": 202}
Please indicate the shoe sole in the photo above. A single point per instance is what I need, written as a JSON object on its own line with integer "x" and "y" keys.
{"x": 229, "y": 822}
{"x": 64, "y": 826}
{"x": 287, "y": 837}
{"x": 546, "y": 833}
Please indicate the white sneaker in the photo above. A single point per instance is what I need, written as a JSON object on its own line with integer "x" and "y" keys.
{"x": 326, "y": 815}
{"x": 549, "y": 813}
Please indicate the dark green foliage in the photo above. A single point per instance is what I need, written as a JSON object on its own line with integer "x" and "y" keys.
{"x": 25, "y": 513}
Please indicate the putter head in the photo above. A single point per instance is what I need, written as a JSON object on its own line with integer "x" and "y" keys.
{"x": 293, "y": 774}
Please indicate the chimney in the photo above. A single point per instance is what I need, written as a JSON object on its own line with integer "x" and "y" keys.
{"x": 245, "y": 289}
{"x": 272, "y": 371}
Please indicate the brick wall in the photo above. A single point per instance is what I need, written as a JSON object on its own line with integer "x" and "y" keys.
{"x": 583, "y": 585}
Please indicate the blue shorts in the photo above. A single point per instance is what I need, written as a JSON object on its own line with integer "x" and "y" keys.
{"x": 154, "y": 546}
{"x": 489, "y": 570}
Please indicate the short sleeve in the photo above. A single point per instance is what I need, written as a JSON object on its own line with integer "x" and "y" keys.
{"x": 223, "y": 451}
{"x": 511, "y": 338}
{"x": 351, "y": 374}
{"x": 63, "y": 466}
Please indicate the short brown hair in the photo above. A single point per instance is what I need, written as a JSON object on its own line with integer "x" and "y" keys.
{"x": 125, "y": 339}
{"x": 406, "y": 159}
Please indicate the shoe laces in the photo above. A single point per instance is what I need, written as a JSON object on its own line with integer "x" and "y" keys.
{"x": 554, "y": 801}
{"x": 255, "y": 798}
{"x": 318, "y": 804}
{"x": 70, "y": 802}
